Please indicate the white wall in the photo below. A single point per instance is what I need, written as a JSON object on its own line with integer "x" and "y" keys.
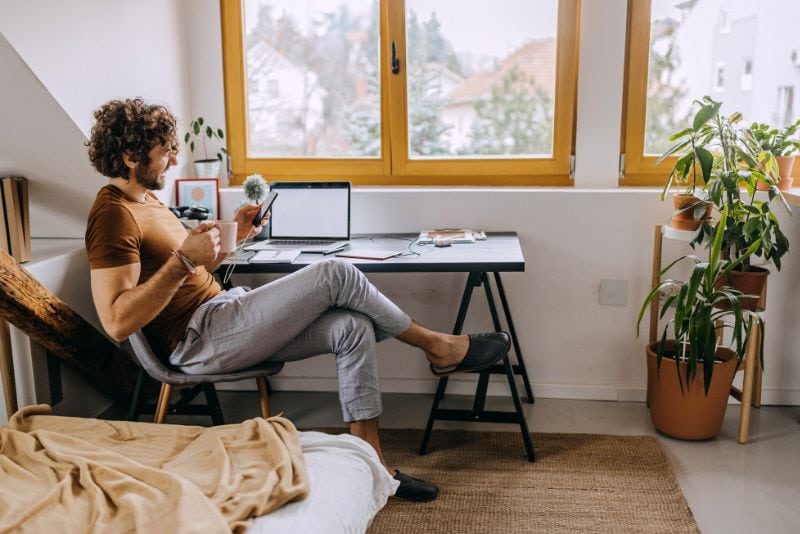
{"x": 86, "y": 52}
{"x": 572, "y": 239}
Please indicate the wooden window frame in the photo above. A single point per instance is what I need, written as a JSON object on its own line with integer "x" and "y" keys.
{"x": 394, "y": 167}
{"x": 640, "y": 169}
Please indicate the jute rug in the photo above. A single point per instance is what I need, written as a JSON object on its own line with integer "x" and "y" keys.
{"x": 579, "y": 483}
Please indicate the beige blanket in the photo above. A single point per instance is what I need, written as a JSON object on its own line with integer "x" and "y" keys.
{"x": 66, "y": 474}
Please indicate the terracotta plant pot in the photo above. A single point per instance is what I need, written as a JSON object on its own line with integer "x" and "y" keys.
{"x": 785, "y": 166}
{"x": 680, "y": 202}
{"x": 688, "y": 225}
{"x": 753, "y": 282}
{"x": 690, "y": 415}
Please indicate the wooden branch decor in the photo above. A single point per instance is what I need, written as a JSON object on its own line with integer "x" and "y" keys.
{"x": 42, "y": 316}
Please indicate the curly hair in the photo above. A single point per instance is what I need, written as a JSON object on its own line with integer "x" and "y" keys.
{"x": 128, "y": 126}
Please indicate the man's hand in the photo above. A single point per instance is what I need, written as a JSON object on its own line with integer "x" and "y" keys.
{"x": 201, "y": 246}
{"x": 245, "y": 217}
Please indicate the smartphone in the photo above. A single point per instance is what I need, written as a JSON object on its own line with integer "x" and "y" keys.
{"x": 264, "y": 208}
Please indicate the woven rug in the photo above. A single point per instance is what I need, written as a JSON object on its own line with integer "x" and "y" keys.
{"x": 579, "y": 483}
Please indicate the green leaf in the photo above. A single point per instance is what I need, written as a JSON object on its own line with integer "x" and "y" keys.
{"x": 706, "y": 161}
{"x": 220, "y": 133}
{"x": 191, "y": 146}
{"x": 200, "y": 121}
{"x": 682, "y": 133}
{"x": 186, "y": 137}
{"x": 209, "y": 131}
{"x": 196, "y": 129}
{"x": 705, "y": 114}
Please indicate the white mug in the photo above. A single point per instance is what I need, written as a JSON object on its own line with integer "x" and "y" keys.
{"x": 227, "y": 235}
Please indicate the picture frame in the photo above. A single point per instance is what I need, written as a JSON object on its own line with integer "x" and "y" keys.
{"x": 199, "y": 192}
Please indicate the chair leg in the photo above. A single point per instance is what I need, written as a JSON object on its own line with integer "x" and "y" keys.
{"x": 263, "y": 395}
{"x": 136, "y": 401}
{"x": 213, "y": 404}
{"x": 163, "y": 403}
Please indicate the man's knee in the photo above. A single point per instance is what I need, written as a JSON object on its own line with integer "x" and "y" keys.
{"x": 336, "y": 269}
{"x": 351, "y": 330}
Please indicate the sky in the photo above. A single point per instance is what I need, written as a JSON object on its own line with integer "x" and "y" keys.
{"x": 493, "y": 27}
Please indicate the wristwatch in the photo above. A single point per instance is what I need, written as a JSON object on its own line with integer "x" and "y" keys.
{"x": 187, "y": 263}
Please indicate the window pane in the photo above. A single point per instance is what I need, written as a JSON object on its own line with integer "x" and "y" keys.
{"x": 481, "y": 77}
{"x": 736, "y": 51}
{"x": 312, "y": 78}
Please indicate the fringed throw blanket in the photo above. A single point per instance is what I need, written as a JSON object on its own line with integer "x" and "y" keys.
{"x": 67, "y": 474}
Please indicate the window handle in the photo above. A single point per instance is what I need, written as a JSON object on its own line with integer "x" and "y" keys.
{"x": 395, "y": 61}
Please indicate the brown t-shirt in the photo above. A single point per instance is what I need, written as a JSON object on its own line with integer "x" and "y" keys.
{"x": 122, "y": 231}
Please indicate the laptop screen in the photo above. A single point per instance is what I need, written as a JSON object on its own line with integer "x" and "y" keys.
{"x": 311, "y": 210}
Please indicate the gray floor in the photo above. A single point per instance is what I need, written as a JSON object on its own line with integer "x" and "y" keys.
{"x": 730, "y": 487}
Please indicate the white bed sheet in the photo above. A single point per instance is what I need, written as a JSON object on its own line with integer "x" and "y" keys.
{"x": 349, "y": 486}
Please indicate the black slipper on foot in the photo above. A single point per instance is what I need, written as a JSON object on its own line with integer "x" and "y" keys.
{"x": 414, "y": 489}
{"x": 484, "y": 351}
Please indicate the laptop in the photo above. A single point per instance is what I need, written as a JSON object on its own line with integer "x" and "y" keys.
{"x": 313, "y": 217}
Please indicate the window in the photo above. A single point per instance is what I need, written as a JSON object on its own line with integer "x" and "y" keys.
{"x": 673, "y": 59}
{"x": 719, "y": 78}
{"x": 784, "y": 110}
{"x": 747, "y": 75}
{"x": 484, "y": 92}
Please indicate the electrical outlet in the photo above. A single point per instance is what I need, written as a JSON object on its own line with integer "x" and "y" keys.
{"x": 613, "y": 293}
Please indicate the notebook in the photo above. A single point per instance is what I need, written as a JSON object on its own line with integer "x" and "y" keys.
{"x": 368, "y": 254}
{"x": 275, "y": 256}
{"x": 313, "y": 217}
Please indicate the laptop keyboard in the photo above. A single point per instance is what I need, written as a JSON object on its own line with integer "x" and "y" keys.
{"x": 306, "y": 242}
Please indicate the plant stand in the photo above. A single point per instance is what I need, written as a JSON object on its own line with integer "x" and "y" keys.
{"x": 750, "y": 394}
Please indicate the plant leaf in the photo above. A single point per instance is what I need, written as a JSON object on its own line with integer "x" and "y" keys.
{"x": 705, "y": 114}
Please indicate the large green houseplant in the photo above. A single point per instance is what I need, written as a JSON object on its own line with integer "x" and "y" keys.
{"x": 733, "y": 166}
{"x": 689, "y": 402}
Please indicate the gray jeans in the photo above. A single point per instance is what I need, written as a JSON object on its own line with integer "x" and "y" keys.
{"x": 327, "y": 307}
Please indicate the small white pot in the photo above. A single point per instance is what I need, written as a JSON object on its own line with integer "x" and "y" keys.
{"x": 207, "y": 168}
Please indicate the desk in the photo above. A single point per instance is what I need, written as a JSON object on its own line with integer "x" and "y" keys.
{"x": 501, "y": 252}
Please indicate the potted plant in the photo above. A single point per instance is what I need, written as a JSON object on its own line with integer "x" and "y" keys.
{"x": 781, "y": 148}
{"x": 740, "y": 166}
{"x": 692, "y": 149}
{"x": 690, "y": 374}
{"x": 208, "y": 167}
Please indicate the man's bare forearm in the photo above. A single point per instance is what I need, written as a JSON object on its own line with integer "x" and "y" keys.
{"x": 136, "y": 307}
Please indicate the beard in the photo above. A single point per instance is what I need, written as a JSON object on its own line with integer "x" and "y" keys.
{"x": 150, "y": 178}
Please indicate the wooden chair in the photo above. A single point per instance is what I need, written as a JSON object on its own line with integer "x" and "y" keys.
{"x": 139, "y": 349}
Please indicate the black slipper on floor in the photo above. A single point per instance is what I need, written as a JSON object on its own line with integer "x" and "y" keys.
{"x": 414, "y": 489}
{"x": 484, "y": 351}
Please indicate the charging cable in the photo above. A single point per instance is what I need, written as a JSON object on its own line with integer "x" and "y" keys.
{"x": 238, "y": 252}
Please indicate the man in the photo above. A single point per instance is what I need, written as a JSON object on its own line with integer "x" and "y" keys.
{"x": 148, "y": 272}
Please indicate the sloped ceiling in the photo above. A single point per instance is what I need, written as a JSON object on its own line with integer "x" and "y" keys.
{"x": 40, "y": 141}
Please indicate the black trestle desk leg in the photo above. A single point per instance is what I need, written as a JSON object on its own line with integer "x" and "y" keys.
{"x": 513, "y": 331}
{"x": 213, "y": 404}
{"x": 473, "y": 280}
{"x": 512, "y": 383}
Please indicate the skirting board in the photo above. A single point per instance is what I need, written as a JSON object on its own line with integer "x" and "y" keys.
{"x": 783, "y": 397}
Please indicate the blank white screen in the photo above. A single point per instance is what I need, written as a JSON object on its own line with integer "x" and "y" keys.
{"x": 311, "y": 213}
